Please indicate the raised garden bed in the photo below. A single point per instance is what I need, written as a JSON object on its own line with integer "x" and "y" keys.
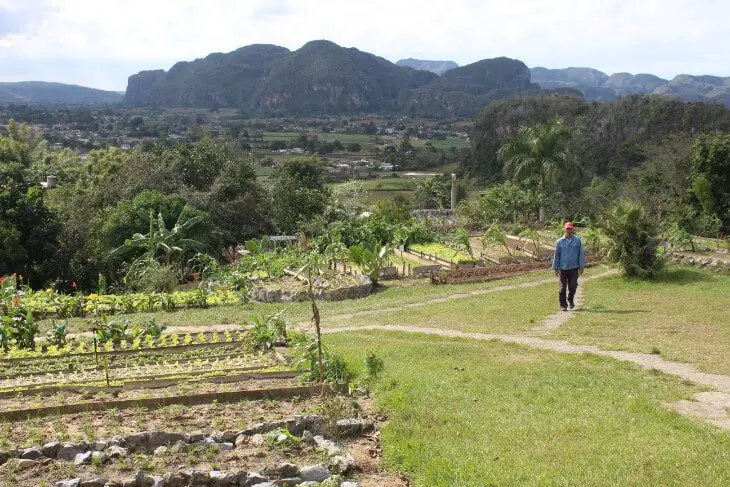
{"x": 442, "y": 254}
{"x": 336, "y": 287}
{"x": 480, "y": 274}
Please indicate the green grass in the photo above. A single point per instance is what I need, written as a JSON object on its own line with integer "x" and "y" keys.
{"x": 390, "y": 184}
{"x": 685, "y": 314}
{"x": 487, "y": 414}
{"x": 503, "y": 312}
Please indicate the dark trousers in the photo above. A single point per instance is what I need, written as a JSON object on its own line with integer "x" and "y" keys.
{"x": 569, "y": 282}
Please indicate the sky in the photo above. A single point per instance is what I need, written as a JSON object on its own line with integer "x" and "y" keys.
{"x": 100, "y": 43}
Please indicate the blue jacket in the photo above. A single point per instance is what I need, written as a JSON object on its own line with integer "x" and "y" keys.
{"x": 569, "y": 254}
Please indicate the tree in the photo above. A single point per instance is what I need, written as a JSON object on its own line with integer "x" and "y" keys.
{"x": 540, "y": 151}
{"x": 297, "y": 193}
{"x": 354, "y": 147}
{"x": 28, "y": 229}
{"x": 711, "y": 175}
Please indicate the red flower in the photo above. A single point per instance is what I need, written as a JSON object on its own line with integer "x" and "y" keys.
{"x": 195, "y": 275}
{"x": 73, "y": 284}
{"x": 2, "y": 278}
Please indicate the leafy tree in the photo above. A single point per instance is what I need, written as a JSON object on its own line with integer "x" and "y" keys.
{"x": 711, "y": 175}
{"x": 298, "y": 193}
{"x": 540, "y": 151}
{"x": 354, "y": 147}
{"x": 28, "y": 229}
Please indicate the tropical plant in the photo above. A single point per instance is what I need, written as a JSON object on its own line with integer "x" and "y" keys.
{"x": 495, "y": 236}
{"x": 632, "y": 240}
{"x": 160, "y": 245}
{"x": 680, "y": 238}
{"x": 374, "y": 365}
{"x": 530, "y": 235}
{"x": 540, "y": 151}
{"x": 461, "y": 239}
{"x": 370, "y": 261}
{"x": 57, "y": 334}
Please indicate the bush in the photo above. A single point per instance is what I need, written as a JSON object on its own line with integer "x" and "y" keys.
{"x": 633, "y": 239}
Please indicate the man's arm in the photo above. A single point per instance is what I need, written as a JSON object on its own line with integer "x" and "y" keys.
{"x": 581, "y": 259}
{"x": 556, "y": 258}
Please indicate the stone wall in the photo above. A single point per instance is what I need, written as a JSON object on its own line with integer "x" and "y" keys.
{"x": 360, "y": 290}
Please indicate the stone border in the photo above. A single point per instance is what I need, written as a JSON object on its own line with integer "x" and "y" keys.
{"x": 717, "y": 265}
{"x": 340, "y": 294}
{"x": 158, "y": 402}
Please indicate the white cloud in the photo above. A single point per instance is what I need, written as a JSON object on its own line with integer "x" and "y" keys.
{"x": 663, "y": 37}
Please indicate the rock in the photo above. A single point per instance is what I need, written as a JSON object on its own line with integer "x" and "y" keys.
{"x": 225, "y": 446}
{"x": 68, "y": 451}
{"x": 160, "y": 438}
{"x": 258, "y": 440}
{"x": 251, "y": 479}
{"x": 68, "y": 483}
{"x": 326, "y": 445}
{"x": 33, "y": 453}
{"x": 342, "y": 463}
{"x": 179, "y": 447}
{"x": 25, "y": 463}
{"x": 137, "y": 441}
{"x": 112, "y": 483}
{"x": 198, "y": 478}
{"x": 207, "y": 441}
{"x": 98, "y": 482}
{"x": 196, "y": 436}
{"x": 176, "y": 479}
{"x": 117, "y": 441}
{"x": 350, "y": 484}
{"x": 100, "y": 445}
{"x": 241, "y": 440}
{"x": 309, "y": 484}
{"x": 129, "y": 483}
{"x": 98, "y": 457}
{"x": 223, "y": 479}
{"x": 307, "y": 437}
{"x": 228, "y": 436}
{"x": 284, "y": 469}
{"x": 311, "y": 422}
{"x": 314, "y": 473}
{"x": 82, "y": 458}
{"x": 161, "y": 451}
{"x": 50, "y": 449}
{"x": 288, "y": 482}
{"x": 265, "y": 484}
{"x": 116, "y": 452}
{"x": 352, "y": 427}
{"x": 143, "y": 479}
{"x": 158, "y": 481}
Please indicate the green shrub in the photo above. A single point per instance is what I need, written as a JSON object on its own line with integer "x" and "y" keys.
{"x": 632, "y": 240}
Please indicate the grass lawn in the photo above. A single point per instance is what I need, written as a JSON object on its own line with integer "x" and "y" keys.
{"x": 488, "y": 414}
{"x": 504, "y": 312}
{"x": 684, "y": 315}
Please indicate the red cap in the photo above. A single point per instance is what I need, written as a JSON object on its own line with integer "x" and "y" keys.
{"x": 568, "y": 225}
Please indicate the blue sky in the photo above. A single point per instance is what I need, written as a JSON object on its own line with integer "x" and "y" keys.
{"x": 100, "y": 43}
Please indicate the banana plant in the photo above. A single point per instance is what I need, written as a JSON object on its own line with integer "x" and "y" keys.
{"x": 370, "y": 261}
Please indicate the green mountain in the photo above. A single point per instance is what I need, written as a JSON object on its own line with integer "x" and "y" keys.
{"x": 41, "y": 92}
{"x": 436, "y": 67}
{"x": 697, "y": 88}
{"x": 324, "y": 77}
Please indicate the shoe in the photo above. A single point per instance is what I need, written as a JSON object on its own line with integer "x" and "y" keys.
{"x": 563, "y": 308}
{"x": 571, "y": 305}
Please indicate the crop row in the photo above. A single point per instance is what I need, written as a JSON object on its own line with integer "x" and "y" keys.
{"x": 85, "y": 347}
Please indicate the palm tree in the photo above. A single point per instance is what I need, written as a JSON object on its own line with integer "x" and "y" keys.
{"x": 541, "y": 151}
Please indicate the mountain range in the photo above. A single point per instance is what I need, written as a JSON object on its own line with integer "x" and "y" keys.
{"x": 322, "y": 77}
{"x": 42, "y": 92}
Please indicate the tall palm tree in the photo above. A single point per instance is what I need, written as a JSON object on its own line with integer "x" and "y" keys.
{"x": 541, "y": 151}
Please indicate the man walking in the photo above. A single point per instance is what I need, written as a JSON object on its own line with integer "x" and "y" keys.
{"x": 569, "y": 262}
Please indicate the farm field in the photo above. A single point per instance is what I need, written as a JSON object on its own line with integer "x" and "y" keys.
{"x": 447, "y": 402}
